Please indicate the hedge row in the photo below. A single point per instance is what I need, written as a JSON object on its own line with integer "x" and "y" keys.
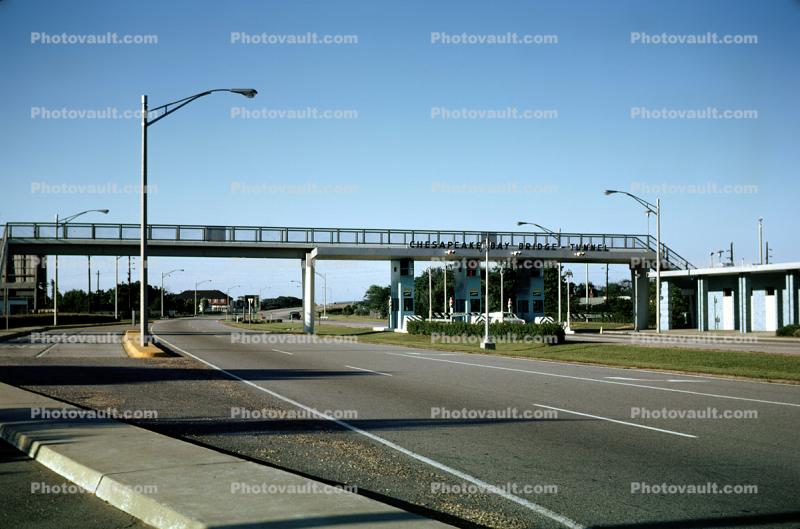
{"x": 515, "y": 331}
{"x": 789, "y": 330}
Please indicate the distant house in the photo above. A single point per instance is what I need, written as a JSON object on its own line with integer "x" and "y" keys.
{"x": 207, "y": 300}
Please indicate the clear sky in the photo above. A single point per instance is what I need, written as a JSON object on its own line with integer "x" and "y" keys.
{"x": 398, "y": 155}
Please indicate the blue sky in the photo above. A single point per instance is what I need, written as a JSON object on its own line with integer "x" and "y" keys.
{"x": 388, "y": 162}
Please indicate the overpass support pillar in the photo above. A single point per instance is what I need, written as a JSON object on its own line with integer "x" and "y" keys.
{"x": 745, "y": 303}
{"x": 308, "y": 295}
{"x": 641, "y": 298}
{"x": 402, "y": 293}
{"x": 665, "y": 306}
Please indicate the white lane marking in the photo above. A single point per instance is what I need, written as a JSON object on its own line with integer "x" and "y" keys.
{"x": 284, "y": 352}
{"x": 535, "y": 507}
{"x": 653, "y": 379}
{"x": 617, "y": 421}
{"x": 369, "y": 370}
{"x": 557, "y": 375}
{"x": 45, "y": 350}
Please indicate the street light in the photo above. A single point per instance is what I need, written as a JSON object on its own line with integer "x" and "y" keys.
{"x": 656, "y": 210}
{"x": 568, "y": 276}
{"x": 163, "y": 275}
{"x": 228, "y": 299}
{"x": 55, "y": 278}
{"x": 760, "y": 240}
{"x": 487, "y": 342}
{"x": 557, "y": 237}
{"x": 198, "y": 283}
{"x": 247, "y": 92}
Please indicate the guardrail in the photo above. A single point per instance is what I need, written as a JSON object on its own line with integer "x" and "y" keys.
{"x": 327, "y": 236}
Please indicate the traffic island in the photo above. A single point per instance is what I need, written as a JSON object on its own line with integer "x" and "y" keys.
{"x": 133, "y": 347}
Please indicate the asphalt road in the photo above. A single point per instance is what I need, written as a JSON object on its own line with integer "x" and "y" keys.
{"x": 591, "y": 462}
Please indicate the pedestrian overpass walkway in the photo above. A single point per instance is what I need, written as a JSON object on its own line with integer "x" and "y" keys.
{"x": 182, "y": 240}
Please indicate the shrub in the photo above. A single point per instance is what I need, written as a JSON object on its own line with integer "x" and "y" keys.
{"x": 789, "y": 330}
{"x": 515, "y": 331}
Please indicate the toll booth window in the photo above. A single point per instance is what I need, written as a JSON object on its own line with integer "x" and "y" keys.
{"x": 406, "y": 267}
{"x": 458, "y": 306}
{"x": 536, "y": 272}
{"x": 538, "y": 306}
{"x": 522, "y": 306}
{"x": 408, "y": 304}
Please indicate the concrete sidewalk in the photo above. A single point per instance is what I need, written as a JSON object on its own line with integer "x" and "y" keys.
{"x": 694, "y": 334}
{"x": 168, "y": 483}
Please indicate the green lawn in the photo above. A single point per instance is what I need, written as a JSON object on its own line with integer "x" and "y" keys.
{"x": 762, "y": 366}
{"x": 353, "y": 317}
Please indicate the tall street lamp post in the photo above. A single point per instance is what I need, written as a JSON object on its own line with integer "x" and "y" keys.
{"x": 557, "y": 237}
{"x": 195, "y": 292}
{"x": 656, "y": 210}
{"x": 487, "y": 342}
{"x": 166, "y": 110}
{"x": 163, "y": 275}
{"x": 59, "y": 222}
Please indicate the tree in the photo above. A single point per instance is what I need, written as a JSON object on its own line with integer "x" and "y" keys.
{"x": 377, "y": 299}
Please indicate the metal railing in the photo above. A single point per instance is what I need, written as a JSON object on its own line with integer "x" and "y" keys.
{"x": 332, "y": 236}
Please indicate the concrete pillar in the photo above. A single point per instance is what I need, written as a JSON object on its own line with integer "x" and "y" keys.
{"x": 745, "y": 292}
{"x": 702, "y": 304}
{"x": 641, "y": 298}
{"x": 308, "y": 295}
{"x": 666, "y": 314}
{"x": 790, "y": 300}
{"x": 467, "y": 289}
{"x": 402, "y": 292}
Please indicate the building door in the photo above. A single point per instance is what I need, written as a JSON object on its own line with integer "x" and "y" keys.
{"x": 771, "y": 310}
{"x": 728, "y": 320}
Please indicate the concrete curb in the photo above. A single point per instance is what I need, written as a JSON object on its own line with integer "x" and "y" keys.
{"x": 170, "y": 484}
{"x": 772, "y": 339}
{"x": 132, "y": 347}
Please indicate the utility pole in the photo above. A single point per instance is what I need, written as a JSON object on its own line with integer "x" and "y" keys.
{"x": 430, "y": 294}
{"x": 760, "y": 239}
{"x": 130, "y": 297}
{"x": 586, "y": 316}
{"x": 767, "y": 252}
{"x": 116, "y": 288}
{"x": 89, "y": 289}
{"x": 731, "y": 256}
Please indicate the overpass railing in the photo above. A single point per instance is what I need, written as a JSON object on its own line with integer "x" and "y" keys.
{"x": 328, "y": 236}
